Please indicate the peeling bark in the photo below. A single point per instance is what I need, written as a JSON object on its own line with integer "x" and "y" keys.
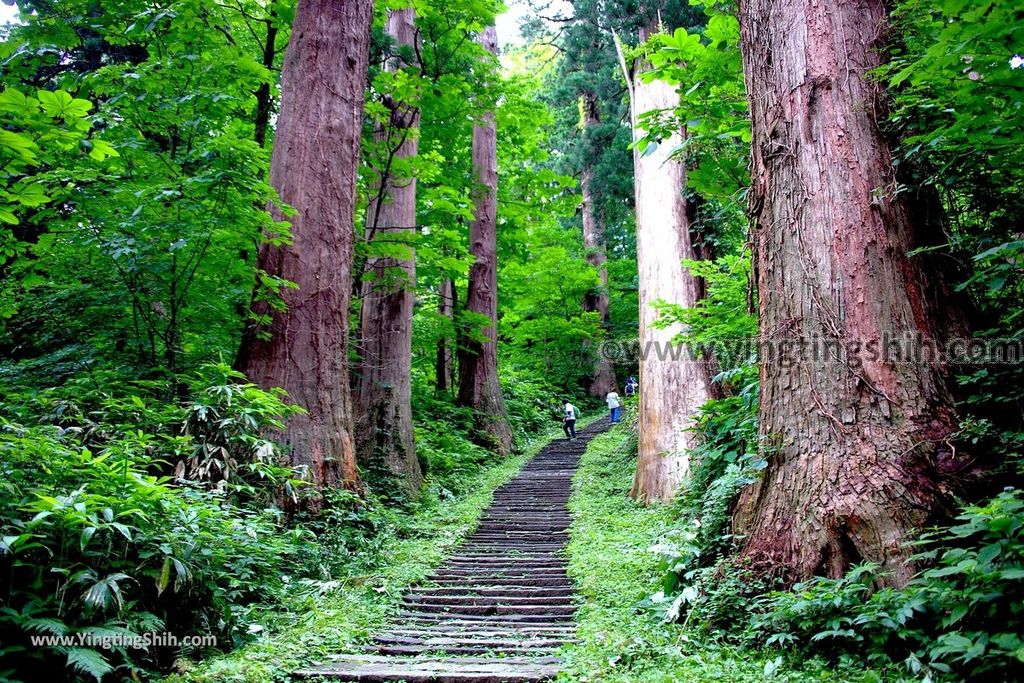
{"x": 858, "y": 453}
{"x": 313, "y": 169}
{"x": 673, "y": 385}
{"x": 478, "y": 362}
{"x": 603, "y": 379}
{"x": 385, "y": 438}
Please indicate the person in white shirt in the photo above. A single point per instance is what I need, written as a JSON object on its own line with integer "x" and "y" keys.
{"x": 569, "y": 421}
{"x": 614, "y": 405}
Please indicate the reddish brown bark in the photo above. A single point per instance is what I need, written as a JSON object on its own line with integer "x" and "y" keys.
{"x": 478, "y": 361}
{"x": 673, "y": 385}
{"x": 603, "y": 379}
{"x": 385, "y": 439}
{"x": 858, "y": 455}
{"x": 313, "y": 169}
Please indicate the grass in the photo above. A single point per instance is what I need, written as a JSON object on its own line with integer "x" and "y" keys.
{"x": 610, "y": 561}
{"x": 351, "y": 612}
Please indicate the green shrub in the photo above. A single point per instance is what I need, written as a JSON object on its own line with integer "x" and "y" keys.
{"x": 533, "y": 405}
{"x": 959, "y": 618}
{"x": 98, "y": 539}
{"x": 226, "y": 427}
{"x": 697, "y": 579}
{"x": 92, "y": 545}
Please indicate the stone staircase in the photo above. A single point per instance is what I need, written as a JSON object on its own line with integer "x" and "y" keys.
{"x": 500, "y": 608}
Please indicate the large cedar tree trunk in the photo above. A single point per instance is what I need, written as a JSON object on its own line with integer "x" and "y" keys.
{"x": 673, "y": 385}
{"x": 313, "y": 169}
{"x": 858, "y": 454}
{"x": 478, "y": 362}
{"x": 603, "y": 379}
{"x": 385, "y": 441}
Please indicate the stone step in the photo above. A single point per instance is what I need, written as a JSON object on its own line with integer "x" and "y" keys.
{"x": 521, "y": 522}
{"x": 561, "y": 582}
{"x": 491, "y": 619}
{"x": 512, "y": 565}
{"x": 490, "y": 575}
{"x": 529, "y": 497}
{"x": 508, "y": 554}
{"x": 491, "y": 591}
{"x": 470, "y": 647}
{"x": 492, "y": 547}
{"x": 490, "y": 609}
{"x": 534, "y": 534}
{"x": 539, "y": 523}
{"x": 500, "y": 570}
{"x": 533, "y": 495}
{"x": 380, "y": 669}
{"x": 506, "y": 599}
{"x": 499, "y": 608}
{"x": 532, "y": 512}
{"x": 477, "y": 630}
{"x": 467, "y": 640}
{"x": 511, "y": 537}
{"x": 512, "y": 572}
{"x": 530, "y": 534}
{"x": 489, "y": 559}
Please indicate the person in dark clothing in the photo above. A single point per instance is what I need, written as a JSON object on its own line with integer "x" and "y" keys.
{"x": 569, "y": 420}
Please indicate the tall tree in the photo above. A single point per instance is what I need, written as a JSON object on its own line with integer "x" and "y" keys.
{"x": 313, "y": 169}
{"x": 603, "y": 380}
{"x": 858, "y": 444}
{"x": 478, "y": 354}
{"x": 672, "y": 384}
{"x": 385, "y": 439}
{"x": 444, "y": 380}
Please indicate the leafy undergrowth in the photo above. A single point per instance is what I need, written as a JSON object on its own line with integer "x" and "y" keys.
{"x": 351, "y": 609}
{"x": 613, "y": 567}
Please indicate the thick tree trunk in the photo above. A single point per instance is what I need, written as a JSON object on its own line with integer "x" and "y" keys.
{"x": 478, "y": 362}
{"x": 857, "y": 445}
{"x": 603, "y": 379}
{"x": 673, "y": 385}
{"x": 385, "y": 441}
{"x": 313, "y": 168}
{"x": 443, "y": 370}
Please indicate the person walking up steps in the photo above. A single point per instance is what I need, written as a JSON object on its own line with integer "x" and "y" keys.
{"x": 614, "y": 405}
{"x": 569, "y": 421}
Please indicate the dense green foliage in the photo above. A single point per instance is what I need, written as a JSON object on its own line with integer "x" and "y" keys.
{"x": 393, "y": 550}
{"x": 962, "y": 614}
{"x": 141, "y": 489}
{"x": 98, "y": 543}
{"x": 611, "y": 559}
{"x": 956, "y": 111}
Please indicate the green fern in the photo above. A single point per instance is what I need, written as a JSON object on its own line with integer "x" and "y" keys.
{"x": 89, "y": 662}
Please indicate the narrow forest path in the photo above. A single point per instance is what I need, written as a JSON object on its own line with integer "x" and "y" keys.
{"x": 500, "y": 608}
